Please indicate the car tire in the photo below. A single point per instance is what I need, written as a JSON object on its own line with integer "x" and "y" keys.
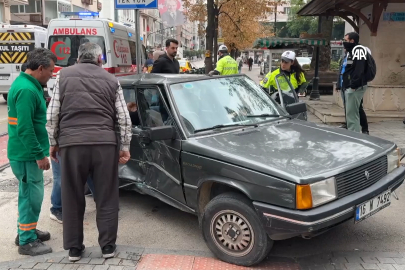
{"x": 227, "y": 206}
{"x": 5, "y": 96}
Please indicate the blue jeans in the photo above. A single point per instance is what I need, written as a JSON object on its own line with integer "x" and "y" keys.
{"x": 56, "y": 196}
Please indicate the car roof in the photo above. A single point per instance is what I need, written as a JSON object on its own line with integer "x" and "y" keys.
{"x": 151, "y": 78}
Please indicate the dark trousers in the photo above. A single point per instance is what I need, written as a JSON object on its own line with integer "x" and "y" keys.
{"x": 101, "y": 163}
{"x": 363, "y": 116}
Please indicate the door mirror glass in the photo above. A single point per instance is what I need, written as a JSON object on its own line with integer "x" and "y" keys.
{"x": 296, "y": 108}
{"x": 162, "y": 133}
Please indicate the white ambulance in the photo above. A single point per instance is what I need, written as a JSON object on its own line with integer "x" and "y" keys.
{"x": 117, "y": 41}
{"x": 15, "y": 43}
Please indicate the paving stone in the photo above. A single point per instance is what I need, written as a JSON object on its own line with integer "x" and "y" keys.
{"x": 13, "y": 264}
{"x": 71, "y": 267}
{"x": 101, "y": 267}
{"x": 28, "y": 265}
{"x": 354, "y": 259}
{"x": 339, "y": 266}
{"x": 388, "y": 254}
{"x": 399, "y": 260}
{"x": 65, "y": 260}
{"x": 97, "y": 261}
{"x": 127, "y": 263}
{"x": 370, "y": 266}
{"x": 55, "y": 260}
{"x": 86, "y": 267}
{"x": 116, "y": 267}
{"x": 338, "y": 260}
{"x": 386, "y": 260}
{"x": 354, "y": 266}
{"x": 56, "y": 266}
{"x": 386, "y": 266}
{"x": 113, "y": 261}
{"x": 129, "y": 268}
{"x": 399, "y": 267}
{"x": 96, "y": 254}
{"x": 42, "y": 266}
{"x": 83, "y": 261}
{"x": 370, "y": 260}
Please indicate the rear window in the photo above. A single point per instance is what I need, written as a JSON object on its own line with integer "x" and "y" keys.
{"x": 14, "y": 47}
{"x": 66, "y": 47}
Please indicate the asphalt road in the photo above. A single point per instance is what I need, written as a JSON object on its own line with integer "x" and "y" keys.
{"x": 147, "y": 222}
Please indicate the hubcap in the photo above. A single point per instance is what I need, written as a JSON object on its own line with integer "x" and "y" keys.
{"x": 232, "y": 233}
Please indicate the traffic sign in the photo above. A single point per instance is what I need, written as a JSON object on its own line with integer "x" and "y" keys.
{"x": 136, "y": 4}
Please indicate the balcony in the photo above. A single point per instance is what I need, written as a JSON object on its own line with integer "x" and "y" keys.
{"x": 154, "y": 13}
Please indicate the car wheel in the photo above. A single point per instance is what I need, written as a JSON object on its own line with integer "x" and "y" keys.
{"x": 5, "y": 96}
{"x": 233, "y": 230}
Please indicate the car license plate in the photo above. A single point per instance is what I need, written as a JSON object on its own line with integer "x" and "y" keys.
{"x": 4, "y": 78}
{"x": 371, "y": 207}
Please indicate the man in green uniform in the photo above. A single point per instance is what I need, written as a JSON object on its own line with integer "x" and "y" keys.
{"x": 226, "y": 65}
{"x": 28, "y": 147}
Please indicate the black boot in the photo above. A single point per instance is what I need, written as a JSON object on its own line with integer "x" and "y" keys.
{"x": 43, "y": 236}
{"x": 34, "y": 248}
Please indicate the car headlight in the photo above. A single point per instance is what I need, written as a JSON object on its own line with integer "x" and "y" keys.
{"x": 393, "y": 160}
{"x": 316, "y": 194}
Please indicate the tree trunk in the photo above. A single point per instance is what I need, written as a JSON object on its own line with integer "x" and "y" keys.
{"x": 216, "y": 32}
{"x": 209, "y": 36}
{"x": 324, "y": 51}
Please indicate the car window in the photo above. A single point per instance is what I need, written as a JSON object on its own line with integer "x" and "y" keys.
{"x": 130, "y": 100}
{"x": 151, "y": 107}
{"x": 221, "y": 101}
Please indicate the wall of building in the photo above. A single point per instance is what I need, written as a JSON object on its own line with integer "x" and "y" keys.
{"x": 387, "y": 90}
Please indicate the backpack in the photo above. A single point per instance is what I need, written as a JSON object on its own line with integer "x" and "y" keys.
{"x": 371, "y": 68}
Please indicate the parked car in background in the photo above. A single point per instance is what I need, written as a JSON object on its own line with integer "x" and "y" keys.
{"x": 221, "y": 148}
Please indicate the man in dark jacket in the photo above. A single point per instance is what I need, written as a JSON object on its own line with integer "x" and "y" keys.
{"x": 86, "y": 105}
{"x": 354, "y": 81}
{"x": 363, "y": 116}
{"x": 167, "y": 63}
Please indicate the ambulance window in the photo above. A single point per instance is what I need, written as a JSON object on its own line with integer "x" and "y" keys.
{"x": 66, "y": 47}
{"x": 42, "y": 45}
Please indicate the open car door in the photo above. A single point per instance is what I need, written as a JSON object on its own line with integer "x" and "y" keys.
{"x": 286, "y": 94}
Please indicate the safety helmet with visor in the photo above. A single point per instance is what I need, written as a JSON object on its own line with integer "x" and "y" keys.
{"x": 222, "y": 49}
{"x": 288, "y": 56}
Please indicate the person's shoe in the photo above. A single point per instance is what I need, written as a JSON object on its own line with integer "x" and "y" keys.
{"x": 366, "y": 132}
{"x": 56, "y": 215}
{"x": 43, "y": 236}
{"x": 75, "y": 254}
{"x": 34, "y": 248}
{"x": 108, "y": 251}
{"x": 343, "y": 126}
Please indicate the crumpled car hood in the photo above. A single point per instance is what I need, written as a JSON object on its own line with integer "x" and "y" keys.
{"x": 297, "y": 151}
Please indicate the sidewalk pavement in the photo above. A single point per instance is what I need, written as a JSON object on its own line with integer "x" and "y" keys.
{"x": 132, "y": 258}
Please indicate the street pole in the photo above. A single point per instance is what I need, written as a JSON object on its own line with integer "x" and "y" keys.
{"x": 138, "y": 42}
{"x": 116, "y": 15}
{"x": 161, "y": 36}
{"x": 315, "y": 85}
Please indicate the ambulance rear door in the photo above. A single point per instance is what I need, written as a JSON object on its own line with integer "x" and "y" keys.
{"x": 65, "y": 37}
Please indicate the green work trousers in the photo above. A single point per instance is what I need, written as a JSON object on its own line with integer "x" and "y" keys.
{"x": 30, "y": 197}
{"x": 353, "y": 100}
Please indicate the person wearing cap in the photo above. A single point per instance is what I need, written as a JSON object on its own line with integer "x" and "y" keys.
{"x": 291, "y": 69}
{"x": 226, "y": 65}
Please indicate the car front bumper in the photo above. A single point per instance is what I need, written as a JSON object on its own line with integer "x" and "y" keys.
{"x": 282, "y": 223}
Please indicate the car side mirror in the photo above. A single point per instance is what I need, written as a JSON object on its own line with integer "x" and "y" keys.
{"x": 157, "y": 134}
{"x": 296, "y": 108}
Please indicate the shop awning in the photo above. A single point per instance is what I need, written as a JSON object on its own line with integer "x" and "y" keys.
{"x": 273, "y": 42}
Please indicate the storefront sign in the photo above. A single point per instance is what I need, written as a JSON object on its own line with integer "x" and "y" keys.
{"x": 394, "y": 16}
{"x": 75, "y": 31}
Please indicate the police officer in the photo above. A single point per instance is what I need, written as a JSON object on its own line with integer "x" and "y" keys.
{"x": 226, "y": 65}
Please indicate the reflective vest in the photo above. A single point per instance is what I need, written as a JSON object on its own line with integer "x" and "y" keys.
{"x": 227, "y": 66}
{"x": 270, "y": 80}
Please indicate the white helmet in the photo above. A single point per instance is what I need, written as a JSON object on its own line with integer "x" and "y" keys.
{"x": 223, "y": 48}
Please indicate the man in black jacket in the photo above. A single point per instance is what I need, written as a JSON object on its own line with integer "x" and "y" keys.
{"x": 167, "y": 62}
{"x": 354, "y": 82}
{"x": 362, "y": 113}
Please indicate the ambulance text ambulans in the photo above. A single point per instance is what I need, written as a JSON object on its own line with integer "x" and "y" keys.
{"x": 117, "y": 41}
{"x": 15, "y": 43}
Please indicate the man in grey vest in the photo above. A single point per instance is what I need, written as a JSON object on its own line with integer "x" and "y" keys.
{"x": 86, "y": 105}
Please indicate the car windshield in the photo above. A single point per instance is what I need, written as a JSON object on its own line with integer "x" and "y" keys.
{"x": 222, "y": 101}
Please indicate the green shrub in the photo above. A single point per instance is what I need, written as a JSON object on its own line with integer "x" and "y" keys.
{"x": 334, "y": 65}
{"x": 306, "y": 67}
